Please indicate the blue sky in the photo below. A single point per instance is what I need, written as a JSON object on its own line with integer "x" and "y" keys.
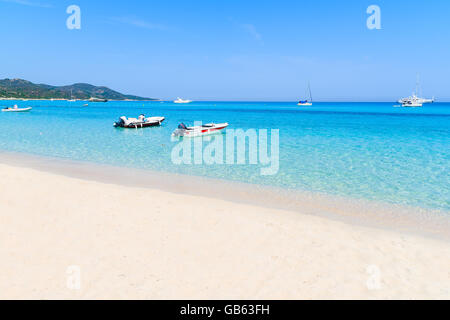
{"x": 232, "y": 50}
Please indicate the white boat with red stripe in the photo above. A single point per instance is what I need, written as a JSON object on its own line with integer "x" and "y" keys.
{"x": 206, "y": 129}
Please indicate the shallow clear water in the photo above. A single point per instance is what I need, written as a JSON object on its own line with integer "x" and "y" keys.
{"x": 359, "y": 150}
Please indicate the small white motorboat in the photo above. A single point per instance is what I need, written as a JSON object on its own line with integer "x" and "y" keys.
{"x": 16, "y": 109}
{"x": 206, "y": 129}
{"x": 141, "y": 122}
{"x": 179, "y": 100}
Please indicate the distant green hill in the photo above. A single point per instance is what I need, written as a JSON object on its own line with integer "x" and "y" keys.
{"x": 22, "y": 89}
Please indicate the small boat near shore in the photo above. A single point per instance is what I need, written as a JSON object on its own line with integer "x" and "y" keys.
{"x": 16, "y": 109}
{"x": 206, "y": 129}
{"x": 98, "y": 100}
{"x": 179, "y": 100}
{"x": 140, "y": 122}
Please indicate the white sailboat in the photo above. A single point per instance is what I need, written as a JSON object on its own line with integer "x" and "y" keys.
{"x": 309, "y": 101}
{"x": 71, "y": 96}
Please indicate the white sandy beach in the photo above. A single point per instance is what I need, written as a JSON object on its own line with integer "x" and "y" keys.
{"x": 143, "y": 243}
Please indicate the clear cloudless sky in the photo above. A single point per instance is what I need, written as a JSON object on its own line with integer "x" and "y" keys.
{"x": 233, "y": 49}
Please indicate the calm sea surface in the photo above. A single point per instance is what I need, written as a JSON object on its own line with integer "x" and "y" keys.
{"x": 360, "y": 150}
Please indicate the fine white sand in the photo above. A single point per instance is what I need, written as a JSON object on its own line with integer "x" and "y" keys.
{"x": 143, "y": 243}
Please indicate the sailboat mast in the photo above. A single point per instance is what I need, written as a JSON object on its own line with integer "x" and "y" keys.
{"x": 310, "y": 95}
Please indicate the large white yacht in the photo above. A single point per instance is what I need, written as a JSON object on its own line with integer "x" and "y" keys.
{"x": 415, "y": 100}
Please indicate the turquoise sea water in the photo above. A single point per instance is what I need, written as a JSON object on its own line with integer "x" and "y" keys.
{"x": 359, "y": 150}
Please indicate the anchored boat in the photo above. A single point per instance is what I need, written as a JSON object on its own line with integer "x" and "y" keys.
{"x": 306, "y": 102}
{"x": 141, "y": 122}
{"x": 98, "y": 100}
{"x": 16, "y": 109}
{"x": 206, "y": 129}
{"x": 415, "y": 100}
{"x": 179, "y": 100}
